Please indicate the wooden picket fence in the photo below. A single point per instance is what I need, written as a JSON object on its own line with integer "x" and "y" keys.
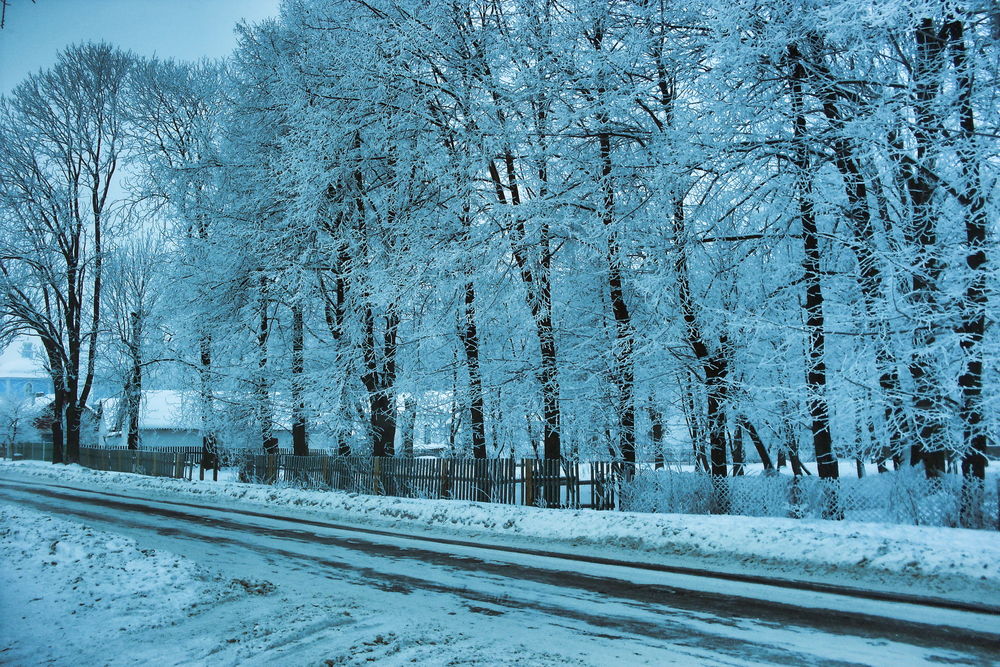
{"x": 177, "y": 465}
{"x": 32, "y": 451}
{"x": 547, "y": 483}
{"x": 544, "y": 483}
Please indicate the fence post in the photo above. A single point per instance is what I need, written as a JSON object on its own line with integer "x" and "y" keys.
{"x": 445, "y": 478}
{"x": 529, "y": 481}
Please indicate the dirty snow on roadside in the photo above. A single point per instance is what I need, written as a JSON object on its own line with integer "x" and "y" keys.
{"x": 74, "y": 595}
{"x": 959, "y": 563}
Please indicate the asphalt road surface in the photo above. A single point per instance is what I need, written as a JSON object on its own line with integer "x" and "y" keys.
{"x": 526, "y": 605}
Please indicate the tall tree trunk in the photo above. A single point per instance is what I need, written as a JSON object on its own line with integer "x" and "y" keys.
{"x": 56, "y": 373}
{"x": 929, "y": 445}
{"x": 470, "y": 343}
{"x": 380, "y": 382}
{"x": 624, "y": 362}
{"x": 538, "y": 294}
{"x": 72, "y": 408}
{"x": 58, "y": 432}
{"x": 655, "y": 432}
{"x": 73, "y": 419}
{"x": 714, "y": 364}
{"x": 975, "y": 302}
{"x": 334, "y": 310}
{"x": 133, "y": 387}
{"x": 209, "y": 441}
{"x": 870, "y": 278}
{"x": 300, "y": 443}
{"x": 383, "y": 424}
{"x": 265, "y": 418}
{"x": 819, "y": 410}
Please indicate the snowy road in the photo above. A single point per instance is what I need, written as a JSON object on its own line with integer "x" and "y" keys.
{"x": 348, "y": 594}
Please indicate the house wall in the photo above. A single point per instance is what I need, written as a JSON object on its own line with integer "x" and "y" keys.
{"x": 20, "y": 388}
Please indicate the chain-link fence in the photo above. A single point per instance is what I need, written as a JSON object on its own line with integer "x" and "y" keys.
{"x": 904, "y": 496}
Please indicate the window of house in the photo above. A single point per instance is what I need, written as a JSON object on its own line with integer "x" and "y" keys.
{"x": 27, "y": 350}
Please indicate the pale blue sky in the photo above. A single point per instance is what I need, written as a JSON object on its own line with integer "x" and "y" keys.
{"x": 182, "y": 29}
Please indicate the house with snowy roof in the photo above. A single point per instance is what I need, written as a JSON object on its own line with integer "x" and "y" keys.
{"x": 29, "y": 420}
{"x": 167, "y": 418}
{"x": 22, "y": 370}
{"x": 172, "y": 418}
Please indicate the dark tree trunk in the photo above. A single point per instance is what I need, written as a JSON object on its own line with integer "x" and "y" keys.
{"x": 72, "y": 409}
{"x": 300, "y": 443}
{"x": 870, "y": 278}
{"x": 133, "y": 386}
{"x": 819, "y": 411}
{"x": 975, "y": 303}
{"x": 538, "y": 294}
{"x": 73, "y": 419}
{"x": 334, "y": 310}
{"x": 470, "y": 343}
{"x": 383, "y": 424}
{"x": 716, "y": 388}
{"x": 265, "y": 418}
{"x": 714, "y": 364}
{"x": 655, "y": 432}
{"x": 134, "y": 404}
{"x": 58, "y": 432}
{"x": 623, "y": 370}
{"x": 929, "y": 445}
{"x": 209, "y": 442}
{"x": 765, "y": 458}
{"x": 380, "y": 379}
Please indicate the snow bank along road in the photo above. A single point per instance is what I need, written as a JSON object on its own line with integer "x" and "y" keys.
{"x": 347, "y": 594}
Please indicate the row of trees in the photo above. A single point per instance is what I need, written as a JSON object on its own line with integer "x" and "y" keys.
{"x": 588, "y": 229}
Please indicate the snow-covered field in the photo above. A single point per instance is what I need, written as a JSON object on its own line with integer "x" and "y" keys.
{"x": 952, "y": 562}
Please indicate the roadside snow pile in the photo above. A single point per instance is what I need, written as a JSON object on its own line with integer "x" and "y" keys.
{"x": 738, "y": 542}
{"x": 110, "y": 585}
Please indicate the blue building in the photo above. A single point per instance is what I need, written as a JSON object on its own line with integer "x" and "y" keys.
{"x": 22, "y": 370}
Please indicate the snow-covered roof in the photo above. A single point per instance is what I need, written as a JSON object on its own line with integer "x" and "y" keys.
{"x": 33, "y": 405}
{"x": 23, "y": 359}
{"x": 160, "y": 409}
{"x": 171, "y": 409}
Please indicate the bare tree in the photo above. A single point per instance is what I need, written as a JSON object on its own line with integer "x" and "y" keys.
{"x": 63, "y": 143}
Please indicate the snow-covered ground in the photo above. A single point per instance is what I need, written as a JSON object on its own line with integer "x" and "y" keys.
{"x": 74, "y": 595}
{"x": 139, "y": 585}
{"x": 950, "y": 562}
{"x": 63, "y": 579}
